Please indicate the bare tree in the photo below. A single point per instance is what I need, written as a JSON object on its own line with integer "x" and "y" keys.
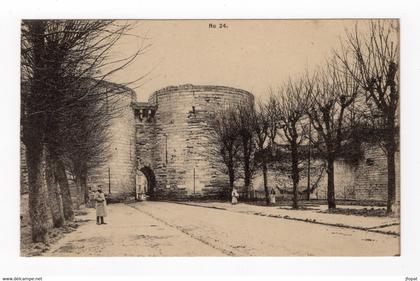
{"x": 86, "y": 145}
{"x": 61, "y": 177}
{"x": 54, "y": 192}
{"x": 56, "y": 58}
{"x": 332, "y": 93}
{"x": 85, "y": 141}
{"x": 291, "y": 110}
{"x": 33, "y": 131}
{"x": 227, "y": 141}
{"x": 244, "y": 123}
{"x": 272, "y": 116}
{"x": 261, "y": 125}
{"x": 372, "y": 60}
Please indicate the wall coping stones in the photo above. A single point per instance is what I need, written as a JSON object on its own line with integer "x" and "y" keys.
{"x": 199, "y": 88}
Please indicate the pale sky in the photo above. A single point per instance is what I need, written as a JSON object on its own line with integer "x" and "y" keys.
{"x": 253, "y": 55}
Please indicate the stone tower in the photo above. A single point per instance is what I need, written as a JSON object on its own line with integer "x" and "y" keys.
{"x": 174, "y": 141}
{"x": 117, "y": 176}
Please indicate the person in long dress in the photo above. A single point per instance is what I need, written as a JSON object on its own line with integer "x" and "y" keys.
{"x": 235, "y": 196}
{"x": 272, "y": 196}
{"x": 100, "y": 204}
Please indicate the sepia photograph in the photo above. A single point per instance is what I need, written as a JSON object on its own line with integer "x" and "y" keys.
{"x": 191, "y": 138}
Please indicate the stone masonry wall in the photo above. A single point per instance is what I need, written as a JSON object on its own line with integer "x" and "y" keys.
{"x": 365, "y": 180}
{"x": 362, "y": 181}
{"x": 118, "y": 174}
{"x": 145, "y": 135}
{"x": 171, "y": 141}
{"x": 181, "y": 150}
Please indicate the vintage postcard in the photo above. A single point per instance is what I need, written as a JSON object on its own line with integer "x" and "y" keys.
{"x": 210, "y": 138}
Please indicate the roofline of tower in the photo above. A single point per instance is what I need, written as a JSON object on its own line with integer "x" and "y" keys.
{"x": 200, "y": 88}
{"x": 140, "y": 105}
{"x": 122, "y": 88}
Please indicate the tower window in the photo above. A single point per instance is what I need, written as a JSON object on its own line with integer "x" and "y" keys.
{"x": 370, "y": 162}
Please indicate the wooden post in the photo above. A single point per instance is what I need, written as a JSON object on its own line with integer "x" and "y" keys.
{"x": 194, "y": 181}
{"x": 309, "y": 163}
{"x": 166, "y": 148}
{"x": 109, "y": 180}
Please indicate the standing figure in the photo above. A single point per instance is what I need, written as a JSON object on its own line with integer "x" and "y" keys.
{"x": 235, "y": 196}
{"x": 272, "y": 196}
{"x": 100, "y": 206}
{"x": 251, "y": 192}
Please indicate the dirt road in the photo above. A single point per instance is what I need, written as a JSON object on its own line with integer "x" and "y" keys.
{"x": 169, "y": 229}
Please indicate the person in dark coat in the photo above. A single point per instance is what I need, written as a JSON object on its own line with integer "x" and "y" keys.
{"x": 100, "y": 204}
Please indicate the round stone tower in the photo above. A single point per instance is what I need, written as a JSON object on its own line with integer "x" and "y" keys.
{"x": 117, "y": 176}
{"x": 184, "y": 159}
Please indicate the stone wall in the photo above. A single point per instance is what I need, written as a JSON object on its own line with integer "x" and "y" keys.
{"x": 362, "y": 181}
{"x": 145, "y": 134}
{"x": 118, "y": 174}
{"x": 178, "y": 143}
{"x": 170, "y": 141}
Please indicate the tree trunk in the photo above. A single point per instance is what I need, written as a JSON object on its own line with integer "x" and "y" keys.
{"x": 247, "y": 183}
{"x": 308, "y": 190}
{"x": 34, "y": 133}
{"x": 295, "y": 175}
{"x": 267, "y": 195}
{"x": 54, "y": 196}
{"x": 79, "y": 191}
{"x": 390, "y": 206}
{"x": 247, "y": 178}
{"x": 247, "y": 167}
{"x": 330, "y": 186}
{"x": 231, "y": 173}
{"x": 390, "y": 157}
{"x": 60, "y": 174}
{"x": 84, "y": 187}
{"x": 37, "y": 194}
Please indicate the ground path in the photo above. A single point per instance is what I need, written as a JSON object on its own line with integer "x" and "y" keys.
{"x": 169, "y": 229}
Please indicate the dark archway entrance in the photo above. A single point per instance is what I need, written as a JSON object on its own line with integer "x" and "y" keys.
{"x": 146, "y": 181}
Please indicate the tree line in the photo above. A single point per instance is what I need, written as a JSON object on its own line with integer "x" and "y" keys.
{"x": 67, "y": 106}
{"x": 330, "y": 112}
{"x": 66, "y": 109}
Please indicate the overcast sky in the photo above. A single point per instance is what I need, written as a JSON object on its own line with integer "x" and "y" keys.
{"x": 252, "y": 55}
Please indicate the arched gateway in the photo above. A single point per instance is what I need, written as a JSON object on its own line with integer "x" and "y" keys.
{"x": 174, "y": 138}
{"x": 165, "y": 148}
{"x": 145, "y": 181}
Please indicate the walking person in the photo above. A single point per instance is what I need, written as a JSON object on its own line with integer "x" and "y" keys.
{"x": 235, "y": 196}
{"x": 100, "y": 206}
